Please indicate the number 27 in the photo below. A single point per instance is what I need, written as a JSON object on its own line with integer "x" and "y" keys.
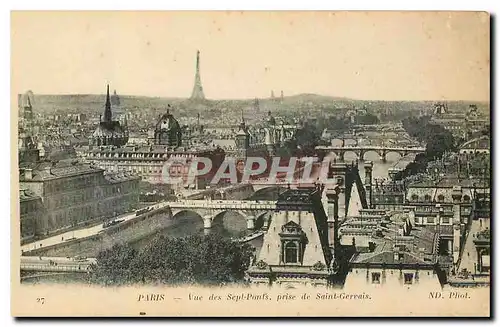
{"x": 40, "y": 300}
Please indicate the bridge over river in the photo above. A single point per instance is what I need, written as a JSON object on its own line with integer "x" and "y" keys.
{"x": 360, "y": 150}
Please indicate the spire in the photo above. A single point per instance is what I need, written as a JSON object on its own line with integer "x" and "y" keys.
{"x": 107, "y": 111}
{"x": 197, "y": 89}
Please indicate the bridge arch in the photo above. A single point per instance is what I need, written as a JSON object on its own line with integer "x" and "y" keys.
{"x": 348, "y": 140}
{"x": 233, "y": 223}
{"x": 391, "y": 154}
{"x": 186, "y": 211}
{"x": 351, "y": 153}
{"x": 262, "y": 219}
{"x": 372, "y": 153}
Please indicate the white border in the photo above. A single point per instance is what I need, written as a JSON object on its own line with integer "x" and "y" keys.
{"x": 7, "y": 5}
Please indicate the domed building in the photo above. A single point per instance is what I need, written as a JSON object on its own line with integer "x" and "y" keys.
{"x": 109, "y": 131}
{"x": 168, "y": 131}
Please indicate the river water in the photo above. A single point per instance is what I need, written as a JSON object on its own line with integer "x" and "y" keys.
{"x": 232, "y": 224}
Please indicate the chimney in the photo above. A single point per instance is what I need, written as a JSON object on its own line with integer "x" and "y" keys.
{"x": 457, "y": 198}
{"x": 48, "y": 169}
{"x": 368, "y": 182}
{"x": 28, "y": 174}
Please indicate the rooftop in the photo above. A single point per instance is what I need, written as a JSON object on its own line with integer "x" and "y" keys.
{"x": 159, "y": 149}
{"x": 58, "y": 169}
{"x": 297, "y": 196}
{"x": 27, "y": 195}
{"x": 417, "y": 244}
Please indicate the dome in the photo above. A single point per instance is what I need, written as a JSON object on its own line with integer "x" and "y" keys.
{"x": 168, "y": 131}
{"x": 167, "y": 122}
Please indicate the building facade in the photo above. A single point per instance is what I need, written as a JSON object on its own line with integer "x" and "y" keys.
{"x": 74, "y": 194}
{"x": 31, "y": 210}
{"x": 295, "y": 250}
{"x": 164, "y": 160}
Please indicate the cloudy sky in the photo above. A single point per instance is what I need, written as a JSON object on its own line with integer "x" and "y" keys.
{"x": 377, "y": 56}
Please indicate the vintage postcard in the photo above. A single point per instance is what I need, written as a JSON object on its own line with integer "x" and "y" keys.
{"x": 250, "y": 164}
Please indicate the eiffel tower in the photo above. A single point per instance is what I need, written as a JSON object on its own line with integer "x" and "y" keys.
{"x": 197, "y": 89}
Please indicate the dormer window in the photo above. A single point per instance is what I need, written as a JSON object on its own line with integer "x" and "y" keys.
{"x": 291, "y": 252}
{"x": 293, "y": 242}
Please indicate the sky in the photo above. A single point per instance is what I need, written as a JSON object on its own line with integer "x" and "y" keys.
{"x": 360, "y": 55}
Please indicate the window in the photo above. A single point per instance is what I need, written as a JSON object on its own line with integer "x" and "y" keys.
{"x": 414, "y": 197}
{"x": 427, "y": 198}
{"x": 430, "y": 220}
{"x": 446, "y": 220}
{"x": 408, "y": 278}
{"x": 291, "y": 251}
{"x": 375, "y": 278}
{"x": 441, "y": 198}
{"x": 466, "y": 198}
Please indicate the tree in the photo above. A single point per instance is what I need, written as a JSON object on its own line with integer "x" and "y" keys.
{"x": 438, "y": 141}
{"x": 113, "y": 265}
{"x": 196, "y": 259}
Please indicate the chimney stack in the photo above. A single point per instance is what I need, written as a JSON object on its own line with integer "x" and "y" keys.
{"x": 368, "y": 182}
{"x": 28, "y": 174}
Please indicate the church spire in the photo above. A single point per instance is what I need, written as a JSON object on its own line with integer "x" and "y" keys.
{"x": 107, "y": 111}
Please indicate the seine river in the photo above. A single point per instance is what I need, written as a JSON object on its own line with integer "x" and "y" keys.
{"x": 232, "y": 224}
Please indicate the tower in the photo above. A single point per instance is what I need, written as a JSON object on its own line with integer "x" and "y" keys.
{"x": 107, "y": 111}
{"x": 242, "y": 137}
{"x": 115, "y": 99}
{"x": 197, "y": 89}
{"x": 28, "y": 152}
{"x": 368, "y": 182}
{"x": 256, "y": 105}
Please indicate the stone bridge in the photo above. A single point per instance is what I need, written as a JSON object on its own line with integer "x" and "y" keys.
{"x": 212, "y": 211}
{"x": 360, "y": 151}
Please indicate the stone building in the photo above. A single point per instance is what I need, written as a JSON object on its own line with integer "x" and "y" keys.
{"x": 73, "y": 194}
{"x": 30, "y": 209}
{"x": 392, "y": 251}
{"x": 295, "y": 249}
{"x": 149, "y": 161}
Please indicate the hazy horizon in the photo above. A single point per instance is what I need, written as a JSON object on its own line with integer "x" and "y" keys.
{"x": 375, "y": 56}
{"x": 248, "y": 99}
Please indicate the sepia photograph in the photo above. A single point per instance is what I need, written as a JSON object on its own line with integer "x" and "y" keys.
{"x": 250, "y": 163}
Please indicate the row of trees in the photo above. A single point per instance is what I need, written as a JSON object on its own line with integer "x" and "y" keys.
{"x": 196, "y": 259}
{"x": 438, "y": 140}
